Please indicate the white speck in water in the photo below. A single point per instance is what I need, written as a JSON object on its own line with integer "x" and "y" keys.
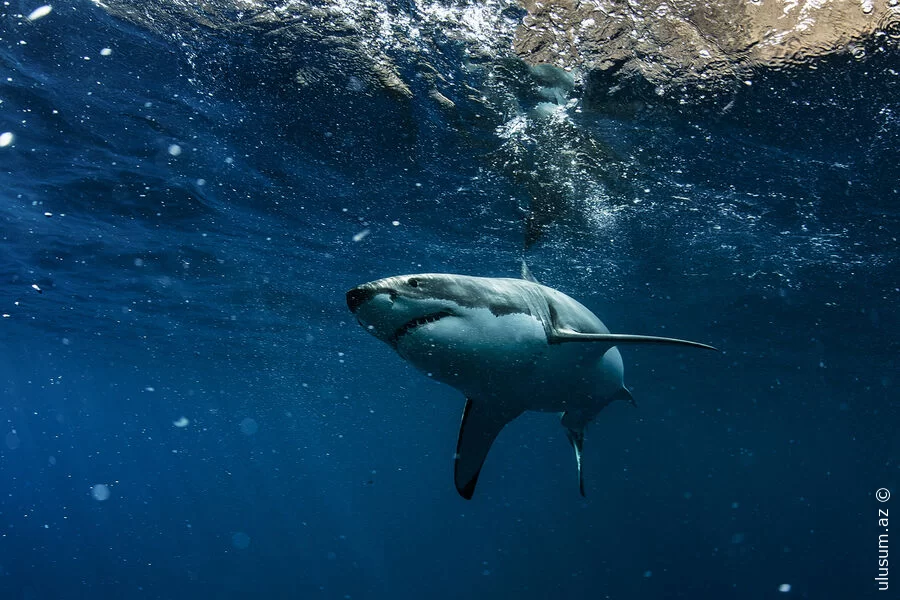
{"x": 395, "y": 223}
{"x": 182, "y": 422}
{"x": 6, "y": 139}
{"x": 174, "y": 149}
{"x": 100, "y": 492}
{"x": 361, "y": 235}
{"x": 106, "y": 52}
{"x": 229, "y": 161}
{"x": 36, "y": 288}
{"x": 201, "y": 182}
{"x": 40, "y": 12}
{"x": 52, "y": 460}
{"x": 240, "y": 540}
{"x": 784, "y": 587}
{"x": 249, "y": 426}
{"x": 139, "y": 262}
{"x": 149, "y": 388}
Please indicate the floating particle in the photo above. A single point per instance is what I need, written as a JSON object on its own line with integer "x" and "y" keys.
{"x": 249, "y": 426}
{"x": 240, "y": 540}
{"x": 106, "y": 52}
{"x": 784, "y": 587}
{"x": 100, "y": 492}
{"x": 149, "y": 388}
{"x": 182, "y": 422}
{"x": 174, "y": 149}
{"x": 12, "y": 440}
{"x": 395, "y": 223}
{"x": 40, "y": 12}
{"x": 648, "y": 574}
{"x": 6, "y": 138}
{"x": 361, "y": 235}
{"x": 37, "y": 288}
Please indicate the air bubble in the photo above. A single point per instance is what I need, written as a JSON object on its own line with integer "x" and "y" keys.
{"x": 249, "y": 426}
{"x": 240, "y": 540}
{"x": 100, "y": 492}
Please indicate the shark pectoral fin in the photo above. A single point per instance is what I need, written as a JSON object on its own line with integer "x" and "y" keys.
{"x": 481, "y": 423}
{"x": 576, "y": 438}
{"x": 560, "y": 336}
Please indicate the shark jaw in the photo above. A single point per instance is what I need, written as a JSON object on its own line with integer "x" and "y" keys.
{"x": 416, "y": 323}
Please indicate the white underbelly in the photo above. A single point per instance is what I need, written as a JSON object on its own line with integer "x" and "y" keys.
{"x": 514, "y": 365}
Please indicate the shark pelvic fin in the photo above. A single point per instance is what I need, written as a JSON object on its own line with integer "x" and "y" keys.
{"x": 576, "y": 438}
{"x": 625, "y": 394}
{"x": 560, "y": 336}
{"x": 481, "y": 424}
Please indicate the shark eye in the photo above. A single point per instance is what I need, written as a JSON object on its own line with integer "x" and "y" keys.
{"x": 413, "y": 282}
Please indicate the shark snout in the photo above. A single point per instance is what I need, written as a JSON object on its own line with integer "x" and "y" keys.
{"x": 359, "y": 296}
{"x": 363, "y": 293}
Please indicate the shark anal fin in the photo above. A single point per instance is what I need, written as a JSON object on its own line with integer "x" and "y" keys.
{"x": 560, "y": 336}
{"x": 576, "y": 438}
{"x": 480, "y": 426}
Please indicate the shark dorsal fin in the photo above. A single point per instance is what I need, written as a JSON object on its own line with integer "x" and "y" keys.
{"x": 526, "y": 273}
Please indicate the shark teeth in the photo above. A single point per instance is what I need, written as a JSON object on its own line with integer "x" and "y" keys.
{"x": 411, "y": 325}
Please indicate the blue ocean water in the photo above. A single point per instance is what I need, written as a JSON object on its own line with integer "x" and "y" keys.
{"x": 189, "y": 410}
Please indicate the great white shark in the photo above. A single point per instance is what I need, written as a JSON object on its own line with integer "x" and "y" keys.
{"x": 509, "y": 345}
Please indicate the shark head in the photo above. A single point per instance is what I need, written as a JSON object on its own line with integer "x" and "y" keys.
{"x": 453, "y": 327}
{"x": 395, "y": 307}
{"x": 405, "y": 307}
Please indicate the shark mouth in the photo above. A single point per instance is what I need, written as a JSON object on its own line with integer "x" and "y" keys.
{"x": 416, "y": 323}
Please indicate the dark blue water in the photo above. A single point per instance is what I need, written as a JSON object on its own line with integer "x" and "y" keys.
{"x": 189, "y": 410}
